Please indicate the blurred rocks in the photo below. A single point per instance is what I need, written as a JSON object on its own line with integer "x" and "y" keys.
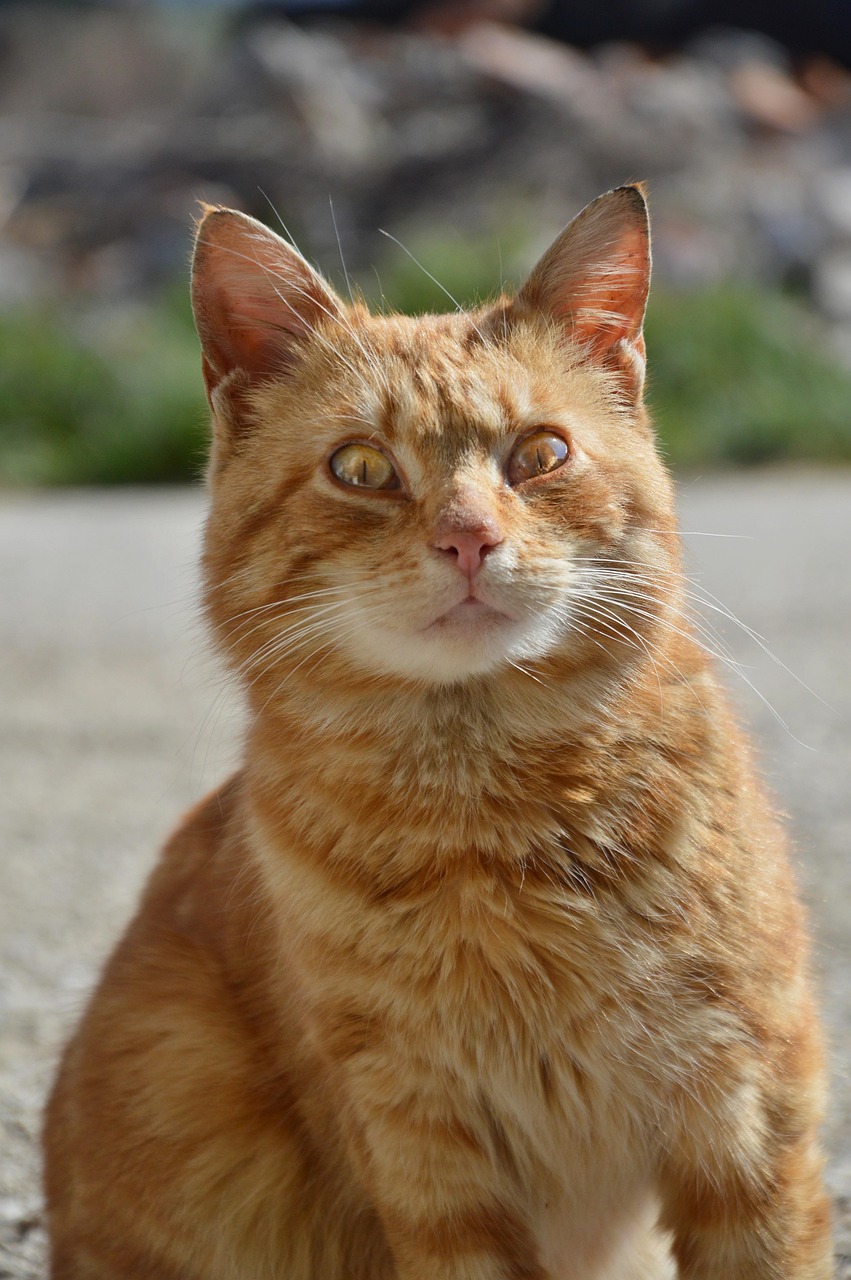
{"x": 114, "y": 123}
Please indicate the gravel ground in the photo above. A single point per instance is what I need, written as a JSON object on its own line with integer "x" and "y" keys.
{"x": 114, "y": 718}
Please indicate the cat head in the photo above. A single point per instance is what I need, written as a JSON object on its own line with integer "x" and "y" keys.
{"x": 432, "y": 499}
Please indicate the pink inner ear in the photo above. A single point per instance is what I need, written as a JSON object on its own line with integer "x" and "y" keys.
{"x": 607, "y": 302}
{"x": 255, "y": 331}
{"x": 596, "y": 276}
{"x": 255, "y": 298}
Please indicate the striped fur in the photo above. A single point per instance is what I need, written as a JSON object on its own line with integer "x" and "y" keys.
{"x": 487, "y": 965}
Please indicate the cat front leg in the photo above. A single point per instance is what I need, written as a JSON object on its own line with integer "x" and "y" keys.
{"x": 481, "y": 1242}
{"x": 746, "y": 1201}
{"x": 448, "y": 1203}
{"x": 743, "y": 1232}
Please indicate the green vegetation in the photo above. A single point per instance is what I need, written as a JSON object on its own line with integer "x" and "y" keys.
{"x": 108, "y": 398}
{"x": 740, "y": 375}
{"x": 737, "y": 376}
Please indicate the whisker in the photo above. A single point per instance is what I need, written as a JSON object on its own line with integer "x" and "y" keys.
{"x": 434, "y": 280}
{"x": 282, "y": 640}
{"x": 272, "y": 604}
{"x": 701, "y": 596}
{"x": 369, "y": 355}
{"x": 624, "y": 592}
{"x": 335, "y": 636}
{"x": 524, "y": 671}
{"x": 735, "y": 667}
{"x": 276, "y": 211}
{"x": 717, "y": 606}
{"x": 594, "y": 615}
{"x": 277, "y": 618}
{"x": 618, "y": 592}
{"x": 340, "y": 247}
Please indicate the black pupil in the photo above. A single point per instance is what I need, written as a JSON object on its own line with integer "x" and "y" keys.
{"x": 547, "y": 455}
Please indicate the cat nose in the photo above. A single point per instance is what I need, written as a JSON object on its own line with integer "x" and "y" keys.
{"x": 468, "y": 546}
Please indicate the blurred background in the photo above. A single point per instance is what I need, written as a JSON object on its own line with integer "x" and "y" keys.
{"x": 423, "y": 150}
{"x": 470, "y": 131}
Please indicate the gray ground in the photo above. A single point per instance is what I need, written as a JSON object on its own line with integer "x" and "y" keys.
{"x": 113, "y": 719}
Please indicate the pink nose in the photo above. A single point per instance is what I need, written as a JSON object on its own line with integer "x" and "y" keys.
{"x": 468, "y": 548}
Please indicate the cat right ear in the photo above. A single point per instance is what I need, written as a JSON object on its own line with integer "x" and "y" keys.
{"x": 593, "y": 283}
{"x": 255, "y": 301}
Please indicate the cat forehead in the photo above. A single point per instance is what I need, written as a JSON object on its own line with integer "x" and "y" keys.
{"x": 425, "y": 376}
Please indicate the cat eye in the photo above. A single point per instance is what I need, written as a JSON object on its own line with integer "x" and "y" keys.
{"x": 363, "y": 467}
{"x": 536, "y": 455}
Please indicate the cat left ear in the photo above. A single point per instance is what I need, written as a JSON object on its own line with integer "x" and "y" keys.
{"x": 255, "y": 299}
{"x": 594, "y": 281}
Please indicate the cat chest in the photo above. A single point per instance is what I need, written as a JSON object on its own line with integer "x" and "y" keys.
{"x": 493, "y": 1058}
{"x": 523, "y": 1006}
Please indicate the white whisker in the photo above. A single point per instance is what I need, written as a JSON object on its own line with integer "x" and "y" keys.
{"x": 434, "y": 280}
{"x": 340, "y": 247}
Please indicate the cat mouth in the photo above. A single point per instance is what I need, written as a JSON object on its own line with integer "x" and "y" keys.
{"x": 471, "y": 612}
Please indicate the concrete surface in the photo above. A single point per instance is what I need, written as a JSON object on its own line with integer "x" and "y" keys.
{"x": 112, "y": 719}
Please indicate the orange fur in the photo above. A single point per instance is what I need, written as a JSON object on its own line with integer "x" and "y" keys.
{"x": 487, "y": 965}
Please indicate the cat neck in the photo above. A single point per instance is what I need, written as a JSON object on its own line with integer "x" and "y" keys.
{"x": 414, "y": 776}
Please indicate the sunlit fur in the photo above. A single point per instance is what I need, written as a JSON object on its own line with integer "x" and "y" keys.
{"x": 487, "y": 965}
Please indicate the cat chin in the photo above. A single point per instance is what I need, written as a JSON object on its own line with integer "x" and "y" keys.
{"x": 454, "y": 648}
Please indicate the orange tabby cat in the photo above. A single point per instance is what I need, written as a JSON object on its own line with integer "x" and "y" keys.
{"x": 488, "y": 964}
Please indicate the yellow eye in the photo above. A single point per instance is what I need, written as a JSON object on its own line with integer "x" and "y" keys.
{"x": 363, "y": 467}
{"x": 537, "y": 454}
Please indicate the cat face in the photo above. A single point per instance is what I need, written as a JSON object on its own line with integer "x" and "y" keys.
{"x": 431, "y": 499}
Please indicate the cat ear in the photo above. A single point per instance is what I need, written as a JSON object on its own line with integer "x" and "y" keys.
{"x": 255, "y": 300}
{"x": 594, "y": 281}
